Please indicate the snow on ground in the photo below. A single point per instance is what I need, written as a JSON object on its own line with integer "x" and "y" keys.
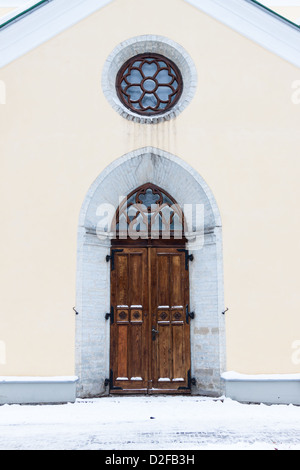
{"x": 150, "y": 423}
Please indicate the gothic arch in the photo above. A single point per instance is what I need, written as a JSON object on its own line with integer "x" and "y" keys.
{"x": 188, "y": 188}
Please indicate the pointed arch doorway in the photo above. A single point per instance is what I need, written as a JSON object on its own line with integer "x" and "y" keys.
{"x": 150, "y": 320}
{"x": 94, "y": 273}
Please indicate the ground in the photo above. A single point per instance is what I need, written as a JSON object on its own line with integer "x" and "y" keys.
{"x": 150, "y": 423}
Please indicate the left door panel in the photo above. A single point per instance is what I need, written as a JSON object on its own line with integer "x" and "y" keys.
{"x": 129, "y": 345}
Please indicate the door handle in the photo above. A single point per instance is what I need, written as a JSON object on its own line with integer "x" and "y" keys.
{"x": 154, "y": 333}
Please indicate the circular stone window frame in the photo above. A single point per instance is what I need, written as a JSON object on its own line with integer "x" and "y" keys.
{"x": 152, "y": 45}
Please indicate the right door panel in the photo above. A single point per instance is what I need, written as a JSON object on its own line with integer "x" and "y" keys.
{"x": 170, "y": 327}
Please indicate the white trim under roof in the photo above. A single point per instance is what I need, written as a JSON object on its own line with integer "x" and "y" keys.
{"x": 43, "y": 24}
{"x": 14, "y": 4}
{"x": 243, "y": 16}
{"x": 257, "y": 24}
{"x": 17, "y": 9}
{"x": 281, "y": 3}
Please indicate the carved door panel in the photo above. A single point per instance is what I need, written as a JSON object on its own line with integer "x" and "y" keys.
{"x": 150, "y": 331}
{"x": 170, "y": 324}
{"x": 129, "y": 329}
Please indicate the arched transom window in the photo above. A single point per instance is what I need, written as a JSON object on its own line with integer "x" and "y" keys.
{"x": 149, "y": 212}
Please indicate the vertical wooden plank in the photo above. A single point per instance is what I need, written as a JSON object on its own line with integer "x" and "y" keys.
{"x": 150, "y": 323}
{"x": 176, "y": 285}
{"x": 136, "y": 277}
{"x": 122, "y": 362}
{"x": 137, "y": 371}
{"x": 122, "y": 279}
{"x": 137, "y": 273}
{"x": 153, "y": 302}
{"x": 163, "y": 280}
{"x": 178, "y": 349}
{"x": 164, "y": 353}
{"x": 162, "y": 346}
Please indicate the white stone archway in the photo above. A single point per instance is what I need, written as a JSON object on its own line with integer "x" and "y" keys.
{"x": 93, "y": 272}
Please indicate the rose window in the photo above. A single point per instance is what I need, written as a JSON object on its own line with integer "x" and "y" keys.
{"x": 149, "y": 84}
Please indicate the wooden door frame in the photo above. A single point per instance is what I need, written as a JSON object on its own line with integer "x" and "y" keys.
{"x": 150, "y": 245}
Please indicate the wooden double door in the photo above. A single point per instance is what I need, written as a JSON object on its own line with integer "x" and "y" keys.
{"x": 150, "y": 321}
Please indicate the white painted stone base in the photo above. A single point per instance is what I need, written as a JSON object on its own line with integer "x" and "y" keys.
{"x": 268, "y": 389}
{"x": 37, "y": 390}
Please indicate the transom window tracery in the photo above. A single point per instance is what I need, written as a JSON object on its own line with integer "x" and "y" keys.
{"x": 149, "y": 212}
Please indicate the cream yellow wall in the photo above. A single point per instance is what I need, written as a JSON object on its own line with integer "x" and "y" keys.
{"x": 58, "y": 132}
{"x": 291, "y": 13}
{"x": 4, "y": 11}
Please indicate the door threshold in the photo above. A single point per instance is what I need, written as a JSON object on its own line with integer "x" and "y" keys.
{"x": 149, "y": 392}
{"x": 169, "y": 392}
{"x": 129, "y": 392}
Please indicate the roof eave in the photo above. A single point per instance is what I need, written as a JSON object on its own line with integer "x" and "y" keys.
{"x": 19, "y": 14}
{"x": 260, "y": 25}
{"x": 47, "y": 18}
{"x": 274, "y": 13}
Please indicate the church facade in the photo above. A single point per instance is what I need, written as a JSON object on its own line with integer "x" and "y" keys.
{"x": 150, "y": 188}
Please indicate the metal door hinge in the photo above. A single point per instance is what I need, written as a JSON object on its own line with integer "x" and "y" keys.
{"x": 110, "y": 315}
{"x": 189, "y": 314}
{"x": 110, "y": 382}
{"x": 188, "y": 257}
{"x": 112, "y": 258}
{"x": 190, "y": 381}
{"x": 193, "y": 381}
